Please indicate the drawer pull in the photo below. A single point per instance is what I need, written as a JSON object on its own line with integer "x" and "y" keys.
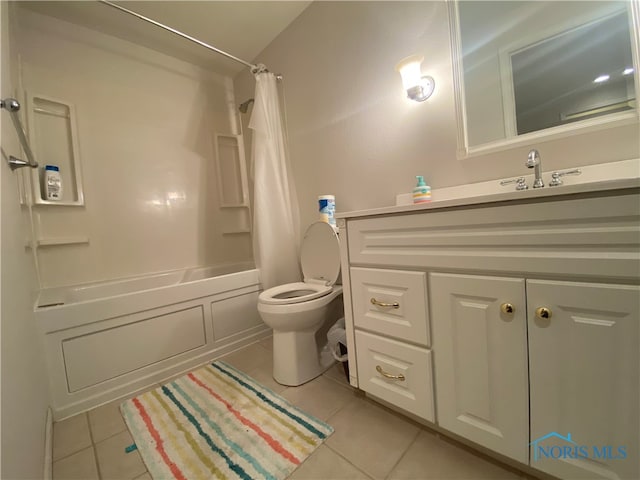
{"x": 389, "y": 375}
{"x": 383, "y": 304}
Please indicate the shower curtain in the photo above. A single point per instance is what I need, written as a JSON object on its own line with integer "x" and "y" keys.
{"x": 275, "y": 203}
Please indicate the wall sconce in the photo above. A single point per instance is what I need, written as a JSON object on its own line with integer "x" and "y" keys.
{"x": 419, "y": 87}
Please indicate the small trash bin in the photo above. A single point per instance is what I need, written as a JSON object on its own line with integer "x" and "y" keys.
{"x": 337, "y": 342}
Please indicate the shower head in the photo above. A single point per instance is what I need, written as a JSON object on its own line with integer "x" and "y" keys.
{"x": 245, "y": 106}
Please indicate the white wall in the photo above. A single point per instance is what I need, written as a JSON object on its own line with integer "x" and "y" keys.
{"x": 145, "y": 128}
{"x": 24, "y": 385}
{"x": 354, "y": 135}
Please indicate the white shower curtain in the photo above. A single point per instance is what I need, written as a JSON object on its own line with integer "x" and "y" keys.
{"x": 275, "y": 203}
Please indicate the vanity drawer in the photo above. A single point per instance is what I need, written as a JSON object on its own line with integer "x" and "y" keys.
{"x": 377, "y": 356}
{"x": 391, "y": 302}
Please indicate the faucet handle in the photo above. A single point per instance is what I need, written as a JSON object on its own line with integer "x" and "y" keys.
{"x": 520, "y": 183}
{"x": 555, "y": 176}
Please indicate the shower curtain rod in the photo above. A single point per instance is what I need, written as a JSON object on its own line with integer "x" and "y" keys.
{"x": 179, "y": 33}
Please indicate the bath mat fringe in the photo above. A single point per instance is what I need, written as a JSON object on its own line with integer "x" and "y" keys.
{"x": 217, "y": 422}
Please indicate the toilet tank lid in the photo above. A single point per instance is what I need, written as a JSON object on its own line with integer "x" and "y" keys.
{"x": 320, "y": 254}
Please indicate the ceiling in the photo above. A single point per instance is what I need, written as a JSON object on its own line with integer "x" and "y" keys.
{"x": 241, "y": 28}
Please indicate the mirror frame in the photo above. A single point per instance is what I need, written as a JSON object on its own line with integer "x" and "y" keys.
{"x": 464, "y": 150}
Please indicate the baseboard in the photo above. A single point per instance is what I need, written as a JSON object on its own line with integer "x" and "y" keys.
{"x": 48, "y": 446}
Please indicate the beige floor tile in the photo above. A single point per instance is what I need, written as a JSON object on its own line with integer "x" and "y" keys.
{"x": 264, "y": 376}
{"x": 106, "y": 421}
{"x": 432, "y": 458}
{"x": 321, "y": 397}
{"x": 80, "y": 465}
{"x": 144, "y": 476}
{"x": 336, "y": 372}
{"x": 267, "y": 343}
{"x": 114, "y": 462}
{"x": 325, "y": 464}
{"x": 70, "y": 436}
{"x": 370, "y": 437}
{"x": 249, "y": 358}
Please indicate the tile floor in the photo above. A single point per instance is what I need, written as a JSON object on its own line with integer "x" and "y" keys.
{"x": 369, "y": 442}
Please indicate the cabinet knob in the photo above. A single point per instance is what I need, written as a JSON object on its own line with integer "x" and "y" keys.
{"x": 543, "y": 312}
{"x": 389, "y": 375}
{"x": 383, "y": 304}
{"x": 507, "y": 308}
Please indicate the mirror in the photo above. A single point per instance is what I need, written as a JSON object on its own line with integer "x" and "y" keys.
{"x": 532, "y": 69}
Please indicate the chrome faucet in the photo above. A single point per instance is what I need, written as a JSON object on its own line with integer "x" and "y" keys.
{"x": 534, "y": 161}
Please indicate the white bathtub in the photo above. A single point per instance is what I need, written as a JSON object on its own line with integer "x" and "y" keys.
{"x": 109, "y": 339}
{"x": 102, "y": 290}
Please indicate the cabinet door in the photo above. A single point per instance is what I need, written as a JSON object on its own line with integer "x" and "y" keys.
{"x": 480, "y": 358}
{"x": 584, "y": 370}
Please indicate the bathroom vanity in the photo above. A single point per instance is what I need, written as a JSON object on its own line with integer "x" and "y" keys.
{"x": 510, "y": 320}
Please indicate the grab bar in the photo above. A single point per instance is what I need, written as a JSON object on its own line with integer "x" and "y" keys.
{"x": 12, "y": 106}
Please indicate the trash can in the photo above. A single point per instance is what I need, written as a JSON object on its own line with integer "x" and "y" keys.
{"x": 337, "y": 342}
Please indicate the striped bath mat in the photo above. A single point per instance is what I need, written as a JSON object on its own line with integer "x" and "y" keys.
{"x": 217, "y": 422}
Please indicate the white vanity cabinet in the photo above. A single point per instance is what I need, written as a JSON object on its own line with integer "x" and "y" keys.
{"x": 480, "y": 330}
{"x": 528, "y": 332}
{"x": 390, "y": 311}
{"x": 584, "y": 368}
{"x": 582, "y": 341}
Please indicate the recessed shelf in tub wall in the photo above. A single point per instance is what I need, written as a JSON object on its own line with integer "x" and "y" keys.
{"x": 233, "y": 189}
{"x": 231, "y": 171}
{"x": 236, "y": 220}
{"x": 54, "y": 137}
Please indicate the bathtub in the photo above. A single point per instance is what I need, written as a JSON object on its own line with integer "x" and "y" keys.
{"x": 106, "y": 340}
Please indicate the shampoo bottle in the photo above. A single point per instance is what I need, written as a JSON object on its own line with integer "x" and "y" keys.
{"x": 52, "y": 182}
{"x": 422, "y": 192}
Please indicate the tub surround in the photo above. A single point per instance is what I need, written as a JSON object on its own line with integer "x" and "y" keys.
{"x": 156, "y": 332}
{"x": 480, "y": 315}
{"x": 161, "y": 159}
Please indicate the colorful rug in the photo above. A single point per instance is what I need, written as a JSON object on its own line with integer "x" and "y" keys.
{"x": 217, "y": 422}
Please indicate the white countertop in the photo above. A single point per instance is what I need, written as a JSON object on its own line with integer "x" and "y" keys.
{"x": 594, "y": 178}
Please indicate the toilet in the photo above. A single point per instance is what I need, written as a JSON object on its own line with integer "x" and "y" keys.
{"x": 297, "y": 312}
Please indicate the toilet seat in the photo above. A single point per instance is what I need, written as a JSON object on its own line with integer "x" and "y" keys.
{"x": 320, "y": 259}
{"x": 293, "y": 293}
